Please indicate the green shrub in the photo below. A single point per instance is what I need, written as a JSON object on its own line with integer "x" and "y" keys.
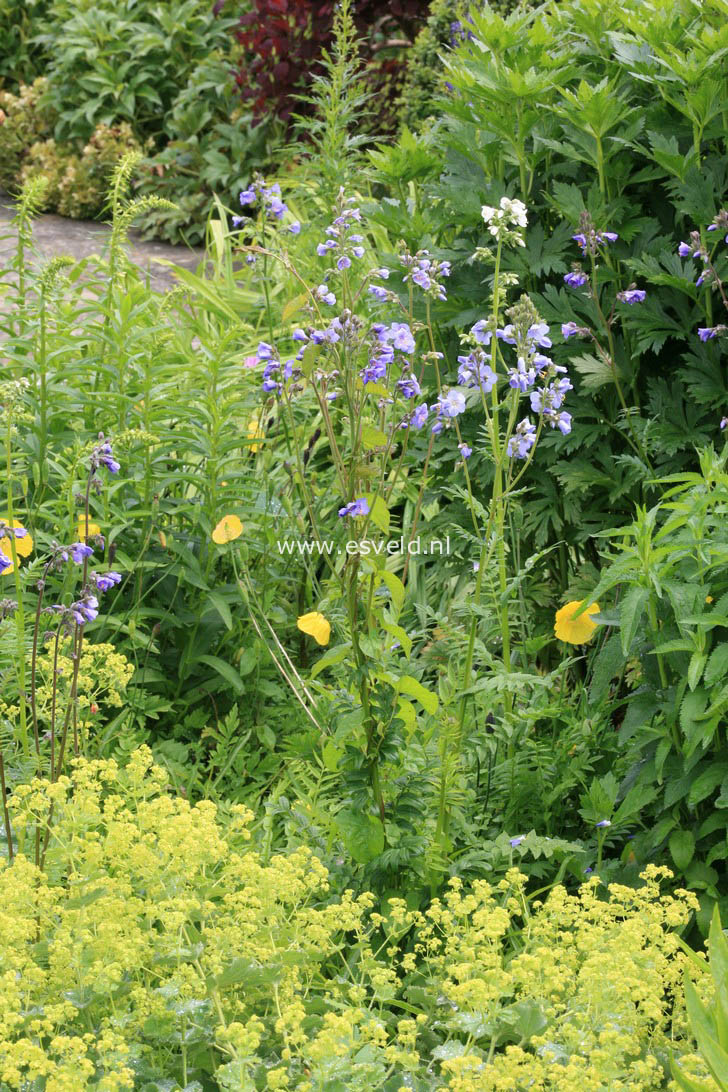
{"x": 159, "y": 944}
{"x": 26, "y": 118}
{"x": 124, "y": 61}
{"x": 22, "y": 58}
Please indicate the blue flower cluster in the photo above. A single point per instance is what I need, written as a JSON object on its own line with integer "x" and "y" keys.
{"x": 696, "y": 249}
{"x": 8, "y": 532}
{"x": 268, "y": 199}
{"x": 426, "y": 272}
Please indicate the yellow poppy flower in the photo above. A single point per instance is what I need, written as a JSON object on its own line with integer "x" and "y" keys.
{"x": 316, "y": 626}
{"x": 255, "y": 432}
{"x": 23, "y": 546}
{"x": 93, "y": 528}
{"x": 228, "y": 529}
{"x": 709, "y": 599}
{"x": 575, "y": 631}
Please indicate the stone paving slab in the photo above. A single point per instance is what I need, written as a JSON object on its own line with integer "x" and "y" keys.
{"x": 55, "y": 235}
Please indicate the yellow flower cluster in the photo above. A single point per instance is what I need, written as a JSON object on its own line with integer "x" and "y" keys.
{"x": 158, "y": 939}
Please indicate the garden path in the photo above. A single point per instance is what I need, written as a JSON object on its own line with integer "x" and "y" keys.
{"x": 55, "y": 235}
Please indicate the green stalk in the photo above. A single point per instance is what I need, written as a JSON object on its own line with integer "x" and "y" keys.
{"x": 19, "y": 613}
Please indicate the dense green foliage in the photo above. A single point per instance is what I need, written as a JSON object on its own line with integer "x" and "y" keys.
{"x": 364, "y": 597}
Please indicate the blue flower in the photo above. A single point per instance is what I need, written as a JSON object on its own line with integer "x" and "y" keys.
{"x": 378, "y": 292}
{"x": 105, "y": 581}
{"x": 473, "y": 371}
{"x": 568, "y": 329}
{"x": 106, "y": 458}
{"x": 522, "y": 439}
{"x": 358, "y": 507}
{"x": 265, "y": 351}
{"x": 248, "y": 197}
{"x": 706, "y": 333}
{"x": 324, "y": 293}
{"x": 79, "y": 551}
{"x": 684, "y": 250}
{"x": 376, "y": 370}
{"x": 295, "y": 227}
{"x": 343, "y": 262}
{"x": 5, "y": 562}
{"x": 401, "y": 337}
{"x": 409, "y": 386}
{"x": 419, "y": 417}
{"x": 632, "y": 295}
{"x": 451, "y": 404}
{"x": 517, "y": 840}
{"x": 481, "y": 333}
{"x": 465, "y": 451}
{"x": 323, "y": 248}
{"x": 575, "y": 279}
{"x": 603, "y": 823}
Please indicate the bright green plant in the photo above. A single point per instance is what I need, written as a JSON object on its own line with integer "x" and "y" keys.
{"x": 708, "y": 1022}
{"x": 669, "y": 571}
{"x": 176, "y": 948}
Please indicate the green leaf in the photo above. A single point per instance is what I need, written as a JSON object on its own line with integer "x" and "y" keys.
{"x": 606, "y": 665}
{"x": 294, "y": 306}
{"x": 333, "y": 656}
{"x": 249, "y": 973}
{"x": 378, "y": 512}
{"x": 630, "y": 615}
{"x": 224, "y": 669}
{"x": 310, "y": 355}
{"x": 395, "y": 587}
{"x": 373, "y": 437}
{"x": 695, "y": 668}
{"x": 415, "y": 689}
{"x": 401, "y": 635}
{"x": 361, "y": 833}
{"x": 682, "y": 848}
{"x": 221, "y": 607}
{"x": 706, "y": 781}
{"x": 717, "y": 664}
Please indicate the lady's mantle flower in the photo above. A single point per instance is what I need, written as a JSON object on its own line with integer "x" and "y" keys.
{"x": 575, "y": 631}
{"x": 358, "y": 507}
{"x": 576, "y": 279}
{"x": 316, "y": 626}
{"x": 632, "y": 295}
{"x": 228, "y": 529}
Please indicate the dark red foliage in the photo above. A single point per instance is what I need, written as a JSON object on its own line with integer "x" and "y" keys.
{"x": 283, "y": 42}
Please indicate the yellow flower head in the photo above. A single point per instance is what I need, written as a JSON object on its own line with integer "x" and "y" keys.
{"x": 575, "y": 631}
{"x": 228, "y": 529}
{"x": 93, "y": 528}
{"x": 255, "y": 432}
{"x": 316, "y": 626}
{"x": 23, "y": 544}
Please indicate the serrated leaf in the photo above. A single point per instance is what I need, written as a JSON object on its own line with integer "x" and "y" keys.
{"x": 717, "y": 664}
{"x": 695, "y": 669}
{"x": 630, "y": 615}
{"x": 372, "y": 437}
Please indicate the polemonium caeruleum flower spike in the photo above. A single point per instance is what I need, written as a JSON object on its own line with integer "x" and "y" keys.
{"x": 408, "y": 386}
{"x": 401, "y": 337}
{"x": 575, "y": 279}
{"x": 522, "y": 439}
{"x": 632, "y": 295}
{"x": 80, "y": 551}
{"x": 105, "y": 581}
{"x": 451, "y": 404}
{"x": 106, "y": 458}
{"x": 358, "y": 507}
{"x": 481, "y": 333}
{"x": 475, "y": 372}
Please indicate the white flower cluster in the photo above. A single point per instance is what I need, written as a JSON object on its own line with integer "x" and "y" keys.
{"x": 501, "y": 221}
